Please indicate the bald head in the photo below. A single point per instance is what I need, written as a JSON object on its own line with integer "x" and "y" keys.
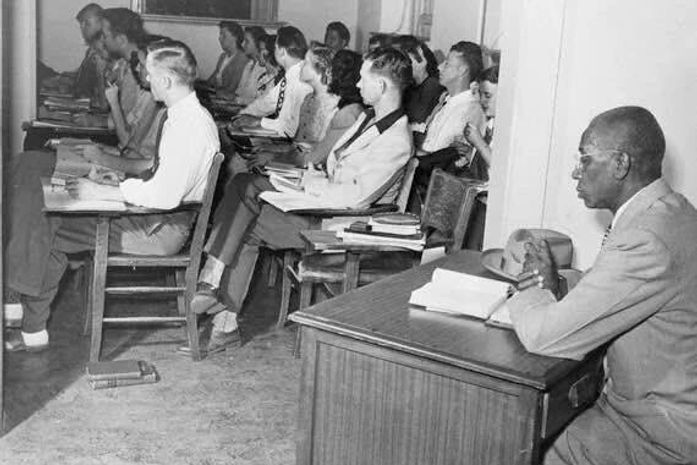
{"x": 634, "y": 131}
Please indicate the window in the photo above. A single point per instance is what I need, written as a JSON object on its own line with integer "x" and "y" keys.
{"x": 255, "y": 11}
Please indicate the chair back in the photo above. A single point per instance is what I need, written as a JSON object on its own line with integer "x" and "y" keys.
{"x": 201, "y": 225}
{"x": 407, "y": 182}
{"x": 449, "y": 205}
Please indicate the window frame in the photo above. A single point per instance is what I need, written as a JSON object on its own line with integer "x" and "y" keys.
{"x": 268, "y": 15}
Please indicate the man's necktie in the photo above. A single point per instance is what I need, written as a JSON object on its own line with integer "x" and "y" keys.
{"x": 281, "y": 97}
{"x": 150, "y": 172}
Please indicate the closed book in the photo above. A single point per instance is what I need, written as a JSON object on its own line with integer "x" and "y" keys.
{"x": 149, "y": 378}
{"x": 117, "y": 369}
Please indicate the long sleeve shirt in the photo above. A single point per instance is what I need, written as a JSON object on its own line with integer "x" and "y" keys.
{"x": 286, "y": 123}
{"x": 188, "y": 143}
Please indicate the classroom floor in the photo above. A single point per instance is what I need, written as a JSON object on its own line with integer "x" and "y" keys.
{"x": 32, "y": 380}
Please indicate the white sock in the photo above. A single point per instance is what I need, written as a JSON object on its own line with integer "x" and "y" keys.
{"x": 38, "y": 338}
{"x": 225, "y": 321}
{"x": 212, "y": 271}
{"x": 13, "y": 311}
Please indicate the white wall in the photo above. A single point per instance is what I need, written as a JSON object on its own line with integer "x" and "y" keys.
{"x": 624, "y": 52}
{"x": 60, "y": 43}
{"x": 368, "y": 20}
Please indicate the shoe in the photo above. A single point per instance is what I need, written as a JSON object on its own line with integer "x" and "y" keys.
{"x": 205, "y": 300}
{"x": 221, "y": 341}
{"x": 14, "y": 342}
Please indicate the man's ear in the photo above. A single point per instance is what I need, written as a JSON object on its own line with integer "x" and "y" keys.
{"x": 621, "y": 165}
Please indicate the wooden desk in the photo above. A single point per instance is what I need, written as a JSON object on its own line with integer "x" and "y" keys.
{"x": 383, "y": 384}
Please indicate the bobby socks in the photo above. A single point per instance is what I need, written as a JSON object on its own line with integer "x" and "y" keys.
{"x": 38, "y": 338}
{"x": 225, "y": 321}
{"x": 212, "y": 272}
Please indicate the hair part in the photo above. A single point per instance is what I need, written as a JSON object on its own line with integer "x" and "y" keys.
{"x": 176, "y": 58}
{"x": 346, "y": 72}
{"x": 341, "y": 29}
{"x": 471, "y": 55}
{"x": 89, "y": 10}
{"x": 490, "y": 74}
{"x": 292, "y": 41}
{"x": 393, "y": 65}
{"x": 322, "y": 62}
{"x": 635, "y": 131}
{"x": 125, "y": 22}
{"x": 235, "y": 30}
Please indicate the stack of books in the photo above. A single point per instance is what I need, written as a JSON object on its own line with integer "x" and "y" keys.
{"x": 390, "y": 229}
{"x": 102, "y": 375}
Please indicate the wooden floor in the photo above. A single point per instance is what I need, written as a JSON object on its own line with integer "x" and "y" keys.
{"x": 31, "y": 380}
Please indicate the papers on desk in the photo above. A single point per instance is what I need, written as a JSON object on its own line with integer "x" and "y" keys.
{"x": 293, "y": 200}
{"x": 260, "y": 132}
{"x": 415, "y": 242}
{"x": 57, "y": 199}
{"x": 463, "y": 294}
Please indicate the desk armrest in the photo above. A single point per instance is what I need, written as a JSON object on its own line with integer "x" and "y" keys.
{"x": 330, "y": 212}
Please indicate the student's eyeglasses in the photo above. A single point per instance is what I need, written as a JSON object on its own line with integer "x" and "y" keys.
{"x": 584, "y": 159}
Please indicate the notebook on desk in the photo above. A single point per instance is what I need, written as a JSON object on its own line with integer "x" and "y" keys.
{"x": 57, "y": 199}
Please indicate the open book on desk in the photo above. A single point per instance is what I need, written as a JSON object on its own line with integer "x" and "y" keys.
{"x": 463, "y": 294}
{"x": 57, "y": 199}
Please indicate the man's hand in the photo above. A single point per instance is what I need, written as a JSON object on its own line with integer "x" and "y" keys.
{"x": 474, "y": 137}
{"x": 539, "y": 268}
{"x": 112, "y": 95}
{"x": 83, "y": 188}
{"x": 90, "y": 152}
{"x": 257, "y": 160}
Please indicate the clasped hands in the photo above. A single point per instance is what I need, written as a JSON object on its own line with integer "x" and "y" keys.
{"x": 539, "y": 268}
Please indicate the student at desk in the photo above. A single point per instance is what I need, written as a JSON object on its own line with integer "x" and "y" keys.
{"x": 326, "y": 114}
{"x": 639, "y": 298}
{"x": 188, "y": 143}
{"x": 363, "y": 167}
{"x": 278, "y": 110}
{"x": 232, "y": 62}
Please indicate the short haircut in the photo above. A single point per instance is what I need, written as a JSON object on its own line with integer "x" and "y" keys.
{"x": 257, "y": 33}
{"x": 636, "y": 132}
{"x": 346, "y": 72}
{"x": 87, "y": 10}
{"x": 322, "y": 62}
{"x": 235, "y": 30}
{"x": 490, "y": 74}
{"x": 411, "y": 46}
{"x": 125, "y": 22}
{"x": 391, "y": 64}
{"x": 471, "y": 55}
{"x": 341, "y": 29}
{"x": 292, "y": 40}
{"x": 176, "y": 58}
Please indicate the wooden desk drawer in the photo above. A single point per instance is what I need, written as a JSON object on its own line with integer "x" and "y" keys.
{"x": 571, "y": 396}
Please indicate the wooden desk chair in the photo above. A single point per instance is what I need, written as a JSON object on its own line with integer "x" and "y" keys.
{"x": 445, "y": 218}
{"x": 184, "y": 264}
{"x": 292, "y": 256}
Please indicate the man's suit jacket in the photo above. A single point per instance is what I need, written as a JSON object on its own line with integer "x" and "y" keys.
{"x": 231, "y": 74}
{"x": 640, "y": 297}
{"x": 367, "y": 169}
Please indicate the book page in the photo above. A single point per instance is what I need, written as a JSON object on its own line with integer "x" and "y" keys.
{"x": 57, "y": 199}
{"x": 460, "y": 293}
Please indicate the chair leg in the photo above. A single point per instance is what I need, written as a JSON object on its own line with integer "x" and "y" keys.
{"x": 98, "y": 284}
{"x": 285, "y": 289}
{"x": 184, "y": 309}
{"x": 180, "y": 281}
{"x": 273, "y": 270}
{"x": 305, "y": 294}
{"x": 87, "y": 283}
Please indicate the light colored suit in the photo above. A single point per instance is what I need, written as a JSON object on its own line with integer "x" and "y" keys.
{"x": 640, "y": 297}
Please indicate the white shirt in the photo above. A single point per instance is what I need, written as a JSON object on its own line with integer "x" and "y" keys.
{"x": 187, "y": 146}
{"x": 288, "y": 117}
{"x": 448, "y": 125}
{"x": 623, "y": 207}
